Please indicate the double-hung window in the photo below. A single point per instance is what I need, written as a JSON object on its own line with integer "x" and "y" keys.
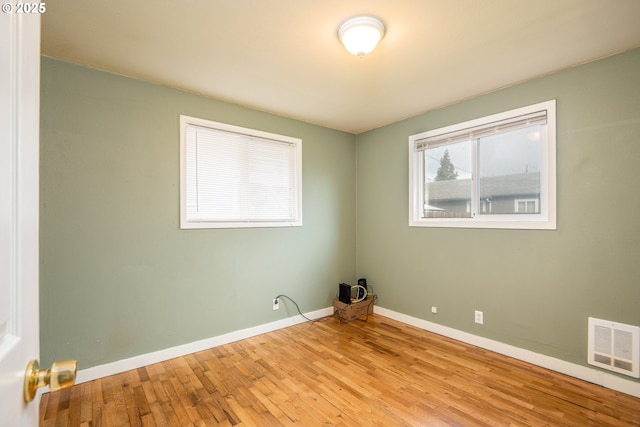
{"x": 236, "y": 177}
{"x": 494, "y": 172}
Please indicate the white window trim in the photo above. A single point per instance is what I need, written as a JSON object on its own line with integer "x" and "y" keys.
{"x": 546, "y": 220}
{"x": 185, "y": 121}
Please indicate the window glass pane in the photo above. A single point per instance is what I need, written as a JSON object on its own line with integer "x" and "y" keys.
{"x": 271, "y": 181}
{"x": 448, "y": 181}
{"x": 509, "y": 168}
{"x": 218, "y": 176}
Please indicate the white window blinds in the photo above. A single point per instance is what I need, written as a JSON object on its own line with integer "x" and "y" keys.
{"x": 238, "y": 178}
{"x": 474, "y": 132}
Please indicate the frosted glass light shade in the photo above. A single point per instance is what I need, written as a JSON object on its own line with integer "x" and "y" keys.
{"x": 360, "y": 35}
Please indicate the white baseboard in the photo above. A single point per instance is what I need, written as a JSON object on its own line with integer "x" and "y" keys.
{"x": 135, "y": 362}
{"x": 577, "y": 371}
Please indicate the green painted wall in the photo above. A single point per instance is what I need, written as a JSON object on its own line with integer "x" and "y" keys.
{"x": 118, "y": 276}
{"x": 536, "y": 288}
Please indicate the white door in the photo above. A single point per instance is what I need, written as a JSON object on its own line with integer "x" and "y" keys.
{"x": 19, "y": 162}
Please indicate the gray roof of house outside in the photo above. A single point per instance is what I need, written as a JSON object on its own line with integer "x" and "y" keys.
{"x": 524, "y": 184}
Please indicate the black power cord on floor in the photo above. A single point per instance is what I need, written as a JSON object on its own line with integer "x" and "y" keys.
{"x": 371, "y": 296}
{"x": 294, "y": 303}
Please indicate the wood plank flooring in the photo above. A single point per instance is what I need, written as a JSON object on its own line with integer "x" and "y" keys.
{"x": 374, "y": 373}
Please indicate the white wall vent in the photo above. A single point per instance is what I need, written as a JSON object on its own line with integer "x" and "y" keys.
{"x": 614, "y": 346}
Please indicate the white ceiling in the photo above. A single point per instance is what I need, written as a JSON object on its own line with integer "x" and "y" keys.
{"x": 284, "y": 57}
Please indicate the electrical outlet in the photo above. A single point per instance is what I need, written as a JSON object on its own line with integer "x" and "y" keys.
{"x": 479, "y": 317}
{"x": 276, "y": 304}
{"x": 434, "y": 309}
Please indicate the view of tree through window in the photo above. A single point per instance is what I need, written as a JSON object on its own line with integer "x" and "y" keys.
{"x": 448, "y": 174}
{"x": 447, "y": 170}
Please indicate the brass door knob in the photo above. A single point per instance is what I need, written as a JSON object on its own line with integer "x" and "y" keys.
{"x": 61, "y": 375}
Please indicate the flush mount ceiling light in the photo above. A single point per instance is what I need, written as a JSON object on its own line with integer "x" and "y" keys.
{"x": 361, "y": 34}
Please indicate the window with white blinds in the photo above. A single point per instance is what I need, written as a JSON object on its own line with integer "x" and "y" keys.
{"x": 497, "y": 171}
{"x": 236, "y": 177}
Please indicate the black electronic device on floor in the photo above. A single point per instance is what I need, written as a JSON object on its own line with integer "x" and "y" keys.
{"x": 363, "y": 290}
{"x": 344, "y": 293}
{"x": 348, "y": 294}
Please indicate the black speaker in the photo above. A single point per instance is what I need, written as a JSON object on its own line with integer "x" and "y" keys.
{"x": 362, "y": 282}
{"x": 344, "y": 294}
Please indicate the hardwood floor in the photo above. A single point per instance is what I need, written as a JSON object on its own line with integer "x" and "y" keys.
{"x": 327, "y": 373}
